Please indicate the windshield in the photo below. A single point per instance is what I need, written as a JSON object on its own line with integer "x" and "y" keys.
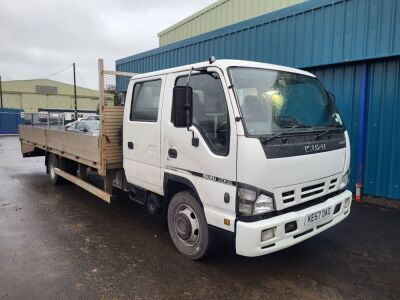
{"x": 274, "y": 101}
{"x": 93, "y": 124}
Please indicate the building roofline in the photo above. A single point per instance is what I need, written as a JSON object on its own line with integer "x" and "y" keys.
{"x": 268, "y": 17}
{"x": 35, "y": 79}
{"x": 192, "y": 17}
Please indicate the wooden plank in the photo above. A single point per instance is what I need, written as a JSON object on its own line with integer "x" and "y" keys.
{"x": 113, "y": 110}
{"x": 114, "y": 158}
{"x": 113, "y": 115}
{"x": 113, "y": 123}
{"x": 114, "y": 148}
{"x": 113, "y": 127}
{"x": 114, "y": 154}
{"x": 110, "y": 111}
{"x": 114, "y": 130}
{"x": 112, "y": 138}
{"x": 85, "y": 185}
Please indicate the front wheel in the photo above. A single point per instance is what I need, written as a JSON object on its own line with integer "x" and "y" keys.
{"x": 188, "y": 226}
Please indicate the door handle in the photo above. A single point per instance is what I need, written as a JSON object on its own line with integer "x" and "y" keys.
{"x": 130, "y": 145}
{"x": 172, "y": 153}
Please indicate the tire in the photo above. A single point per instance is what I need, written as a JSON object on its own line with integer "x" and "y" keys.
{"x": 53, "y": 163}
{"x": 188, "y": 227}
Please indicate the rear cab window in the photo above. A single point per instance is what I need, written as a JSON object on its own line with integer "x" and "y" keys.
{"x": 145, "y": 101}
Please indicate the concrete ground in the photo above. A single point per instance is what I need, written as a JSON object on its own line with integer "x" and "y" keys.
{"x": 62, "y": 242}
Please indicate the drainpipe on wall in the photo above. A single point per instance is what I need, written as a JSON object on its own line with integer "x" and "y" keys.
{"x": 362, "y": 131}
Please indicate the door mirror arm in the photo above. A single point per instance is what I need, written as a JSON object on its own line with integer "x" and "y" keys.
{"x": 331, "y": 97}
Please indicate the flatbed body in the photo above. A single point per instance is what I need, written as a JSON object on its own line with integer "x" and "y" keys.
{"x": 103, "y": 152}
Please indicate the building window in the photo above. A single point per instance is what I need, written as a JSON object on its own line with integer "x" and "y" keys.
{"x": 43, "y": 89}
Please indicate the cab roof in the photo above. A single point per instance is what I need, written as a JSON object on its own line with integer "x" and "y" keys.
{"x": 224, "y": 64}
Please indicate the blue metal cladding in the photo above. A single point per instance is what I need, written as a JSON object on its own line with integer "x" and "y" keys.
{"x": 9, "y": 120}
{"x": 382, "y": 157}
{"x": 313, "y": 33}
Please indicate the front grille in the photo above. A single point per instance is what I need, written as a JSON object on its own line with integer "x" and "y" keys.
{"x": 288, "y": 196}
{"x": 332, "y": 184}
{"x": 312, "y": 190}
{"x": 298, "y": 194}
{"x": 311, "y": 187}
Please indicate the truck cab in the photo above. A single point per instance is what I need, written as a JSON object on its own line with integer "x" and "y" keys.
{"x": 255, "y": 150}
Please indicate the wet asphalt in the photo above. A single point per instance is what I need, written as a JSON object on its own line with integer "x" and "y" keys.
{"x": 62, "y": 242}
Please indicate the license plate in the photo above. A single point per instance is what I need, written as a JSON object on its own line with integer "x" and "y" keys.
{"x": 318, "y": 216}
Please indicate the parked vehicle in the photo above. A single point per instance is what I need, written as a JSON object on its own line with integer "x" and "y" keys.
{"x": 94, "y": 117}
{"x": 253, "y": 150}
{"x": 89, "y": 126}
{"x": 43, "y": 116}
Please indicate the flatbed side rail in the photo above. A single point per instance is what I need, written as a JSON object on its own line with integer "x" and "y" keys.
{"x": 77, "y": 147}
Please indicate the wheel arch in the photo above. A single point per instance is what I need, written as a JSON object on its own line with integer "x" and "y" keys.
{"x": 174, "y": 184}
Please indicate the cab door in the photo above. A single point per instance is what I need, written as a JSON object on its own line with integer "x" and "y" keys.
{"x": 211, "y": 165}
{"x": 141, "y": 133}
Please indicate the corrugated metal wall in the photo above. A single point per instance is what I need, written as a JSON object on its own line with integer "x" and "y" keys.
{"x": 219, "y": 14}
{"x": 313, "y": 33}
{"x": 382, "y": 159}
{"x": 9, "y": 120}
{"x": 332, "y": 39}
{"x": 382, "y": 163}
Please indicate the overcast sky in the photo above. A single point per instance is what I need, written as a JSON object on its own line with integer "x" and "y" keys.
{"x": 41, "y": 37}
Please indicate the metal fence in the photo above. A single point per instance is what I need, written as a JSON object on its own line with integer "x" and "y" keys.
{"x": 46, "y": 120}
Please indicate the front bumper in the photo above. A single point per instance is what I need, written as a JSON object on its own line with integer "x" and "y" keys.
{"x": 248, "y": 234}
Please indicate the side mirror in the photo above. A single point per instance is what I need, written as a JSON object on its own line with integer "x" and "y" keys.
{"x": 84, "y": 130}
{"x": 182, "y": 106}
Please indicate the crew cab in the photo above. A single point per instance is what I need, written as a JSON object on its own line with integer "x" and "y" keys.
{"x": 254, "y": 150}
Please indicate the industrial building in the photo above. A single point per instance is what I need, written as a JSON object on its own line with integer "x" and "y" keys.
{"x": 220, "y": 14}
{"x": 48, "y": 95}
{"x": 353, "y": 46}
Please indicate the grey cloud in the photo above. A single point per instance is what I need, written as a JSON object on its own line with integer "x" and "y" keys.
{"x": 40, "y": 37}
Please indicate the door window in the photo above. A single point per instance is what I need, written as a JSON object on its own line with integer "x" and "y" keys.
{"x": 81, "y": 126}
{"x": 145, "y": 101}
{"x": 210, "y": 111}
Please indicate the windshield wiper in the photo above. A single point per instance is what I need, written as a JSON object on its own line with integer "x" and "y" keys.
{"x": 266, "y": 139}
{"x": 331, "y": 127}
{"x": 288, "y": 129}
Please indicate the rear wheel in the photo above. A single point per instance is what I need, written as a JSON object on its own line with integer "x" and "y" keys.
{"x": 188, "y": 226}
{"x": 53, "y": 163}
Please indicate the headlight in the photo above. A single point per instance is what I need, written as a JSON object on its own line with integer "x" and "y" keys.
{"x": 263, "y": 204}
{"x": 344, "y": 181}
{"x": 252, "y": 201}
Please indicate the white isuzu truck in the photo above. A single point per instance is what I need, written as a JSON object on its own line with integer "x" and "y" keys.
{"x": 254, "y": 150}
